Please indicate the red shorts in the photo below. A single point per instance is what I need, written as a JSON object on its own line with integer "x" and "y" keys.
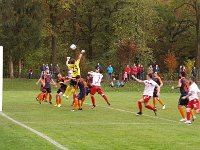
{"x": 193, "y": 104}
{"x": 146, "y": 98}
{"x": 95, "y": 89}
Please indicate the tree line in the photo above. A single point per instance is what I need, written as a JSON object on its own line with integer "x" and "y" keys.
{"x": 116, "y": 32}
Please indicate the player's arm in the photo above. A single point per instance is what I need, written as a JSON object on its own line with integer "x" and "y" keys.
{"x": 80, "y": 55}
{"x": 178, "y": 85}
{"x": 140, "y": 81}
{"x": 67, "y": 61}
{"x": 189, "y": 94}
{"x": 38, "y": 81}
{"x": 161, "y": 83}
{"x": 54, "y": 84}
{"x": 158, "y": 89}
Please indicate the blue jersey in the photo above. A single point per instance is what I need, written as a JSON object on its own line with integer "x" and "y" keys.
{"x": 184, "y": 89}
{"x": 47, "y": 79}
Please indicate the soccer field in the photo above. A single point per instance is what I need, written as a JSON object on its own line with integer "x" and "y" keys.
{"x": 103, "y": 128}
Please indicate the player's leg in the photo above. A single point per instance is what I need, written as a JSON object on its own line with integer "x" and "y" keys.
{"x": 60, "y": 99}
{"x": 161, "y": 102}
{"x": 140, "y": 101}
{"x": 92, "y": 93}
{"x": 67, "y": 90}
{"x": 57, "y": 99}
{"x": 50, "y": 95}
{"x": 100, "y": 91}
{"x": 188, "y": 111}
{"x": 182, "y": 103}
{"x": 154, "y": 102}
{"x": 146, "y": 99}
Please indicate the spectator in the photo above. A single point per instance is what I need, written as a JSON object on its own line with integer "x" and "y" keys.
{"x": 46, "y": 67}
{"x": 156, "y": 69}
{"x": 51, "y": 70}
{"x": 57, "y": 71}
{"x": 119, "y": 83}
{"x": 134, "y": 70}
{"x": 125, "y": 76}
{"x": 110, "y": 71}
{"x": 184, "y": 69}
{"x": 180, "y": 70}
{"x": 30, "y": 74}
{"x": 98, "y": 67}
{"x": 150, "y": 69}
{"x": 141, "y": 72}
{"x": 194, "y": 72}
{"x": 128, "y": 71}
{"x": 138, "y": 71}
{"x": 42, "y": 69}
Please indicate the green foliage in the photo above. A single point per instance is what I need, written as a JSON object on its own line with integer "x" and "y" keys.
{"x": 189, "y": 64}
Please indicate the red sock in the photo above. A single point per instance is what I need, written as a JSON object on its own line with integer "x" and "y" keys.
{"x": 105, "y": 98}
{"x": 56, "y": 100}
{"x": 149, "y": 107}
{"x": 188, "y": 116}
{"x": 140, "y": 106}
{"x": 50, "y": 97}
{"x": 93, "y": 100}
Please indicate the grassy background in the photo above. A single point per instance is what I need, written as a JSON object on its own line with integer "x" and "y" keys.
{"x": 114, "y": 128}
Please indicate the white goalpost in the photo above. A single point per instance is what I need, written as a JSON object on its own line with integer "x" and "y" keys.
{"x": 1, "y": 77}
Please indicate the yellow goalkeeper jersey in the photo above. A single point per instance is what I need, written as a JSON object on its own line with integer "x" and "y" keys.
{"x": 74, "y": 68}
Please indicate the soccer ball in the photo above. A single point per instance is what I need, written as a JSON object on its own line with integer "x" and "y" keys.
{"x": 73, "y": 46}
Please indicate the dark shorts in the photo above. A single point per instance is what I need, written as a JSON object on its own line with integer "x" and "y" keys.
{"x": 62, "y": 89}
{"x": 73, "y": 82}
{"x": 155, "y": 94}
{"x": 81, "y": 95}
{"x": 183, "y": 102}
{"x": 48, "y": 90}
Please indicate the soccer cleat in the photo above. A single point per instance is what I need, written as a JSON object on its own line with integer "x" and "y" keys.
{"x": 36, "y": 98}
{"x": 59, "y": 105}
{"x": 155, "y": 112}
{"x": 183, "y": 120}
{"x": 93, "y": 106}
{"x": 187, "y": 122}
{"x": 108, "y": 103}
{"x": 80, "y": 109}
{"x": 55, "y": 105}
{"x": 67, "y": 97}
{"x": 163, "y": 107}
{"x": 193, "y": 118}
{"x": 50, "y": 102}
{"x": 64, "y": 95}
{"x": 72, "y": 110}
{"x": 139, "y": 113}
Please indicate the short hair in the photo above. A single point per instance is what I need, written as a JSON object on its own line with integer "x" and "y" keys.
{"x": 150, "y": 75}
{"x": 183, "y": 74}
{"x": 72, "y": 61}
{"x": 78, "y": 77}
{"x": 192, "y": 78}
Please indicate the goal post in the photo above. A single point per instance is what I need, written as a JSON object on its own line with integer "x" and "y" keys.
{"x": 1, "y": 77}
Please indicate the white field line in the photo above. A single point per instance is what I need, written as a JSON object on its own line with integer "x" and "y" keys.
{"x": 126, "y": 111}
{"x": 97, "y": 123}
{"x": 36, "y": 132}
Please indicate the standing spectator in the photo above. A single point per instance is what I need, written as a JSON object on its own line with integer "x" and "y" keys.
{"x": 180, "y": 70}
{"x": 128, "y": 71}
{"x": 51, "y": 70}
{"x": 150, "y": 70}
{"x": 141, "y": 72}
{"x": 110, "y": 71}
{"x": 184, "y": 69}
{"x": 134, "y": 70}
{"x": 156, "y": 69}
{"x": 30, "y": 74}
{"x": 138, "y": 71}
{"x": 42, "y": 69}
{"x": 57, "y": 71}
{"x": 47, "y": 67}
{"x": 125, "y": 76}
{"x": 194, "y": 72}
{"x": 98, "y": 67}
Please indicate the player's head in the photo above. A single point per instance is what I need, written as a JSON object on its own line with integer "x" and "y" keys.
{"x": 97, "y": 70}
{"x": 182, "y": 74}
{"x": 72, "y": 61}
{"x": 155, "y": 74}
{"x": 149, "y": 76}
{"x": 192, "y": 79}
{"x": 78, "y": 77}
{"x": 47, "y": 71}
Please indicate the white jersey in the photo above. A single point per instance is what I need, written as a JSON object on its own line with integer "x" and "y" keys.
{"x": 194, "y": 90}
{"x": 149, "y": 87}
{"x": 96, "y": 80}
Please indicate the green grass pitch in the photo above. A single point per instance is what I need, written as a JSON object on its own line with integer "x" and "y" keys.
{"x": 102, "y": 128}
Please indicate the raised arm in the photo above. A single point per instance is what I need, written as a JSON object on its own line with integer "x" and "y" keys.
{"x": 140, "y": 81}
{"x": 80, "y": 55}
{"x": 178, "y": 85}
